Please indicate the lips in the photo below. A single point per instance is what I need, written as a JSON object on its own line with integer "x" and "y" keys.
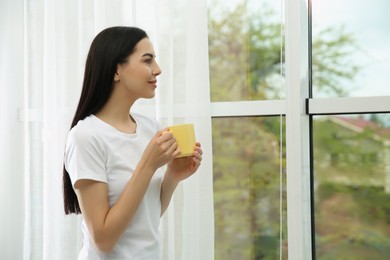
{"x": 153, "y": 82}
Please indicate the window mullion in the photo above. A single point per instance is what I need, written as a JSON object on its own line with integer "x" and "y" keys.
{"x": 297, "y": 131}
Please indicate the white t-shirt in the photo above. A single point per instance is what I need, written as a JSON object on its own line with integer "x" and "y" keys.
{"x": 95, "y": 150}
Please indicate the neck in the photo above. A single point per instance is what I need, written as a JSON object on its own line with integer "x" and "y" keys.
{"x": 117, "y": 109}
{"x": 118, "y": 117}
{"x": 115, "y": 112}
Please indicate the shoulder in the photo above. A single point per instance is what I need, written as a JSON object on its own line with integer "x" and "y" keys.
{"x": 85, "y": 154}
{"x": 85, "y": 132}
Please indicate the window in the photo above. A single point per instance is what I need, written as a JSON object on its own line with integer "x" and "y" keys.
{"x": 351, "y": 151}
{"x": 245, "y": 50}
{"x": 247, "y": 83}
{"x": 247, "y": 195}
{"x": 322, "y": 68}
{"x": 352, "y": 186}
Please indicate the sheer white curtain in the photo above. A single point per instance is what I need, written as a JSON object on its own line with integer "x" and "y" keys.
{"x": 43, "y": 48}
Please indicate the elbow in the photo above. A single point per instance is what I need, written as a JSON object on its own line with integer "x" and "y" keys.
{"x": 103, "y": 238}
{"x": 104, "y": 248}
{"x": 104, "y": 245}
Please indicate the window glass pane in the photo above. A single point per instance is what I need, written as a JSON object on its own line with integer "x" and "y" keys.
{"x": 352, "y": 186}
{"x": 245, "y": 50}
{"x": 350, "y": 47}
{"x": 246, "y": 188}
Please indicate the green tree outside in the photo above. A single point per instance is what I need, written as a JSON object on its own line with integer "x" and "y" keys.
{"x": 246, "y": 63}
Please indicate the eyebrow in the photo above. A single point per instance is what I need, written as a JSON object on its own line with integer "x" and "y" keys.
{"x": 149, "y": 55}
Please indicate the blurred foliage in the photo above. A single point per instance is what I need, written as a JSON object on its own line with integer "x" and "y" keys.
{"x": 352, "y": 207}
{"x": 332, "y": 52}
{"x": 247, "y": 63}
{"x": 246, "y": 53}
{"x": 360, "y": 217}
{"x": 246, "y": 188}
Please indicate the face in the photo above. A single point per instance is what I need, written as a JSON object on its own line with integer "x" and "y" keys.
{"x": 138, "y": 76}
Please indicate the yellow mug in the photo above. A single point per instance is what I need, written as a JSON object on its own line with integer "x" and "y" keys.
{"x": 185, "y": 138}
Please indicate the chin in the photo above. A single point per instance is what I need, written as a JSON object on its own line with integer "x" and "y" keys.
{"x": 152, "y": 95}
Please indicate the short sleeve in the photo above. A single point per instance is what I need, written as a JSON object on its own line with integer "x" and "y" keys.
{"x": 84, "y": 156}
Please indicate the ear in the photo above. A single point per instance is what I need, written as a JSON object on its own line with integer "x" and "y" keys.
{"x": 116, "y": 76}
{"x": 117, "y": 73}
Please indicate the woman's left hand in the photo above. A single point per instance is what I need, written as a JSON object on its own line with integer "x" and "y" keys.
{"x": 182, "y": 168}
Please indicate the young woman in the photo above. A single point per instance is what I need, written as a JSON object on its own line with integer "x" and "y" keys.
{"x": 113, "y": 157}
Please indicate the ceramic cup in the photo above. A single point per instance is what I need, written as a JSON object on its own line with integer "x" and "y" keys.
{"x": 185, "y": 138}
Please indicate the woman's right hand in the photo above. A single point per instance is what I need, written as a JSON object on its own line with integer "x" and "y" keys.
{"x": 161, "y": 149}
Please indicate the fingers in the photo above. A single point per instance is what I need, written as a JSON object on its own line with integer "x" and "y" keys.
{"x": 198, "y": 155}
{"x": 198, "y": 150}
{"x": 176, "y": 152}
{"x": 169, "y": 142}
{"x": 165, "y": 134}
{"x": 174, "y": 149}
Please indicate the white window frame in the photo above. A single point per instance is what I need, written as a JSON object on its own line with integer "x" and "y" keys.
{"x": 299, "y": 107}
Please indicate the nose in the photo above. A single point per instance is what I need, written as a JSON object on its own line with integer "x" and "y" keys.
{"x": 156, "y": 70}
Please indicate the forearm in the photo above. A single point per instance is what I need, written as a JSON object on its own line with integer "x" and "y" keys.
{"x": 168, "y": 187}
{"x": 114, "y": 222}
{"x": 126, "y": 206}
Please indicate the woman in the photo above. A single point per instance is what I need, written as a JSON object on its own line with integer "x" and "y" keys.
{"x": 113, "y": 158}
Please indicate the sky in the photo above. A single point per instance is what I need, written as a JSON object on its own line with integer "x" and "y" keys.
{"x": 369, "y": 21}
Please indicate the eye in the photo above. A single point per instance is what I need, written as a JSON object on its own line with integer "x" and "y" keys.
{"x": 148, "y": 61}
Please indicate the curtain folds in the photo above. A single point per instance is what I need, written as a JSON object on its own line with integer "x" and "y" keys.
{"x": 43, "y": 52}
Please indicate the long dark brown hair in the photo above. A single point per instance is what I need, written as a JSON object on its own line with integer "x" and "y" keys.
{"x": 110, "y": 47}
